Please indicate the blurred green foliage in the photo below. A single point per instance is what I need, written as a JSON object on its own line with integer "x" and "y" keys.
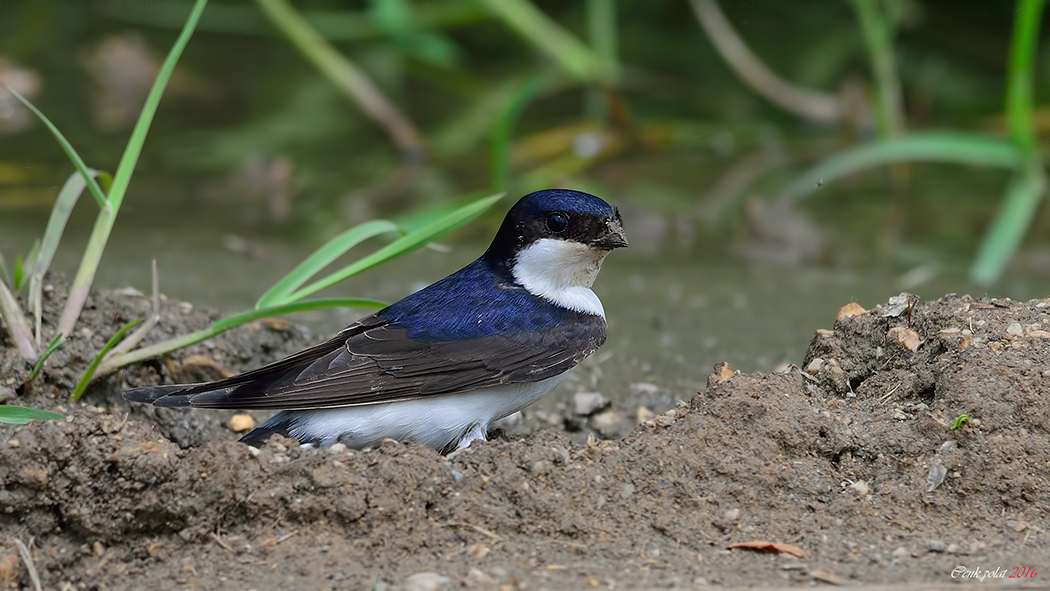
{"x": 633, "y": 100}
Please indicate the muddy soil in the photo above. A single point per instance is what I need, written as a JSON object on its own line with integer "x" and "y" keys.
{"x": 849, "y": 457}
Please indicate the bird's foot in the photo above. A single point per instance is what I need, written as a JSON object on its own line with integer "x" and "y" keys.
{"x": 476, "y": 432}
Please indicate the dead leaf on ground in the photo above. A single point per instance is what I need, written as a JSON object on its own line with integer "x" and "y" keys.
{"x": 827, "y": 575}
{"x": 276, "y": 324}
{"x": 764, "y": 546}
{"x": 204, "y": 361}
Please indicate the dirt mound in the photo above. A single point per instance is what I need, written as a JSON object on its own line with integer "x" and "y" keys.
{"x": 851, "y": 459}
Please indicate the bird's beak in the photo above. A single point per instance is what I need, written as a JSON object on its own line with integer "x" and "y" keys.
{"x": 613, "y": 236}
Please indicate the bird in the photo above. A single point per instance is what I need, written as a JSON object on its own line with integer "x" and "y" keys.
{"x": 438, "y": 367}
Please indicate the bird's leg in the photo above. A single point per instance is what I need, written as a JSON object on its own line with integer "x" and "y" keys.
{"x": 474, "y": 433}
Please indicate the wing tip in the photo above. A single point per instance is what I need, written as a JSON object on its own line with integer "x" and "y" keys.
{"x": 160, "y": 395}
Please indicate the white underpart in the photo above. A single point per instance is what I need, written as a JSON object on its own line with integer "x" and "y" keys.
{"x": 432, "y": 420}
{"x": 562, "y": 272}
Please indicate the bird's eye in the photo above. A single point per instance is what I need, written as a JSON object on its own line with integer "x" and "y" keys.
{"x": 557, "y": 222}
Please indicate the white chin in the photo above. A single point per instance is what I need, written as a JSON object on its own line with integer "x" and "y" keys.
{"x": 562, "y": 272}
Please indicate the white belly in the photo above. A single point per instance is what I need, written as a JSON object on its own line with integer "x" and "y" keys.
{"x": 434, "y": 421}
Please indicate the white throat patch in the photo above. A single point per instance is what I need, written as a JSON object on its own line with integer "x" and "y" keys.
{"x": 562, "y": 272}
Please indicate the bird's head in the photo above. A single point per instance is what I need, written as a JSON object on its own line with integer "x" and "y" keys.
{"x": 556, "y": 239}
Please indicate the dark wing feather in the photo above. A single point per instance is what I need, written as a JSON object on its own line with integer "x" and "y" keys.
{"x": 373, "y": 362}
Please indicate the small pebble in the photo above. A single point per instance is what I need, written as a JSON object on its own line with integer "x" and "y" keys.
{"x": 935, "y": 476}
{"x": 850, "y": 310}
{"x": 936, "y": 545}
{"x": 722, "y": 372}
{"x": 905, "y": 337}
{"x": 241, "y": 423}
{"x": 14, "y": 443}
{"x": 428, "y": 581}
{"x": 1014, "y": 329}
{"x": 477, "y": 576}
{"x": 814, "y": 366}
{"x": 603, "y": 422}
{"x": 862, "y": 488}
{"x": 643, "y": 414}
{"x": 587, "y": 403}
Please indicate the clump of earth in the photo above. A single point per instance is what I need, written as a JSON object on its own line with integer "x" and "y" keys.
{"x": 912, "y": 444}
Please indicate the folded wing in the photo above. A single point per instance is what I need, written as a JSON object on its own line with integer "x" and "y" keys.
{"x": 374, "y": 361}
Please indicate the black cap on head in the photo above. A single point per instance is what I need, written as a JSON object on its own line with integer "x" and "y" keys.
{"x": 559, "y": 214}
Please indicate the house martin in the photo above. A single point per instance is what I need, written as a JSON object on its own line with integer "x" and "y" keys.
{"x": 439, "y": 366}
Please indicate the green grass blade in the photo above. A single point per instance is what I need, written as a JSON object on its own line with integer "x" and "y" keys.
{"x": 1020, "y": 74}
{"x": 293, "y": 307}
{"x": 57, "y": 342}
{"x": 29, "y": 263}
{"x": 960, "y": 148}
{"x": 345, "y": 75}
{"x": 602, "y": 34}
{"x": 17, "y": 324}
{"x": 601, "y": 30}
{"x": 333, "y": 25}
{"x": 85, "y": 173}
{"x": 19, "y": 275}
{"x": 89, "y": 373}
{"x": 1009, "y": 226}
{"x": 321, "y": 258}
{"x": 56, "y": 225}
{"x": 404, "y": 245}
{"x": 158, "y": 349}
{"x": 499, "y": 154}
{"x": 18, "y": 415}
{"x": 1026, "y": 189}
{"x": 104, "y": 223}
{"x": 152, "y": 320}
{"x": 878, "y": 38}
{"x": 573, "y": 55}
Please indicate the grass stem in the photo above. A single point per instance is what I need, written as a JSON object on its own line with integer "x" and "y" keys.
{"x": 546, "y": 35}
{"x": 1027, "y": 187}
{"x": 345, "y": 75}
{"x": 107, "y": 217}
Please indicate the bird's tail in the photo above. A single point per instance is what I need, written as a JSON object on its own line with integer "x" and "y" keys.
{"x": 153, "y": 395}
{"x": 279, "y": 423}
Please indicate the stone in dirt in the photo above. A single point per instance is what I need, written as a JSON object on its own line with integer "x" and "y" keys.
{"x": 586, "y": 404}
